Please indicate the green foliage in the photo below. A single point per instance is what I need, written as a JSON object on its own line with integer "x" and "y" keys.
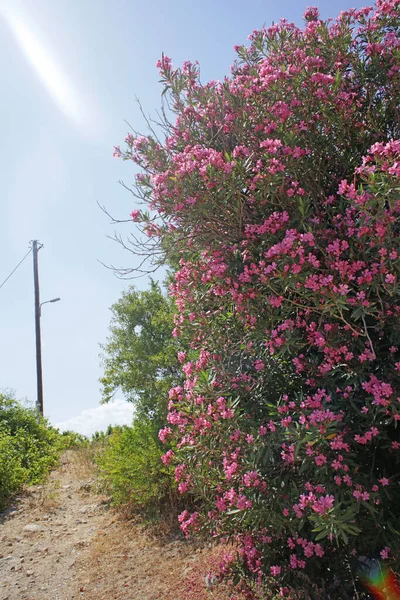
{"x": 72, "y": 439}
{"x": 140, "y": 358}
{"x": 102, "y": 436}
{"x": 12, "y": 474}
{"x": 131, "y": 469}
{"x": 28, "y": 448}
{"x": 140, "y": 354}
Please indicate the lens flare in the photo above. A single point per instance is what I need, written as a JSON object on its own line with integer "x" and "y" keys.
{"x": 381, "y": 582}
{"x": 48, "y": 68}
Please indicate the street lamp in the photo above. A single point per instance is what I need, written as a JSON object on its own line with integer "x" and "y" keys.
{"x": 39, "y": 402}
{"x": 46, "y": 302}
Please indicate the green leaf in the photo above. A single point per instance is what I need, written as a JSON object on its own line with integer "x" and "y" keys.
{"x": 322, "y": 535}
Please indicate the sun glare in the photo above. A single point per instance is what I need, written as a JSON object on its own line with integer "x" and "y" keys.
{"x": 50, "y": 72}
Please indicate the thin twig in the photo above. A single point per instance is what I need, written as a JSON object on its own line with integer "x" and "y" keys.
{"x": 367, "y": 334}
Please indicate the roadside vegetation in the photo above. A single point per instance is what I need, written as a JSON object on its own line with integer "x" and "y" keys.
{"x": 29, "y": 448}
{"x": 273, "y": 198}
{"x": 140, "y": 359}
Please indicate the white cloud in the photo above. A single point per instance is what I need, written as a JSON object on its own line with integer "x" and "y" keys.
{"x": 90, "y": 420}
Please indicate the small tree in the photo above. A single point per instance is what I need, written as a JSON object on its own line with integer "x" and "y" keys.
{"x": 140, "y": 358}
{"x": 140, "y": 355}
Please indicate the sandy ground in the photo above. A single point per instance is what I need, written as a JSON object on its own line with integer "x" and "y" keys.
{"x": 60, "y": 541}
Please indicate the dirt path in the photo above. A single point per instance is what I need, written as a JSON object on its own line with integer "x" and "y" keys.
{"x": 61, "y": 542}
{"x": 45, "y": 532}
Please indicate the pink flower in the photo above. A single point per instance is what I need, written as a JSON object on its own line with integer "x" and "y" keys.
{"x": 276, "y": 301}
{"x": 187, "y": 520}
{"x": 243, "y": 503}
{"x": 320, "y": 460}
{"x": 183, "y": 516}
{"x": 309, "y": 550}
{"x": 385, "y": 553}
{"x": 275, "y": 571}
{"x": 188, "y": 369}
{"x": 166, "y": 458}
{"x": 323, "y": 504}
{"x": 359, "y": 495}
{"x": 258, "y": 364}
{"x": 220, "y": 504}
{"x": 164, "y": 64}
{"x": 183, "y": 487}
{"x": 179, "y": 470}
{"x": 135, "y": 214}
{"x": 181, "y": 357}
{"x": 163, "y": 433}
{"x": 296, "y": 563}
{"x": 384, "y": 481}
{"x": 318, "y": 550}
{"x": 230, "y": 469}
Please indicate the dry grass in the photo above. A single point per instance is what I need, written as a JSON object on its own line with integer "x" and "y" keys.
{"x": 81, "y": 462}
{"x": 127, "y": 559}
{"x": 45, "y": 497}
{"x": 123, "y": 562}
{"x": 49, "y": 495}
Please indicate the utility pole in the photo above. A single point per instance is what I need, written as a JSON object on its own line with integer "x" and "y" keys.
{"x": 39, "y": 401}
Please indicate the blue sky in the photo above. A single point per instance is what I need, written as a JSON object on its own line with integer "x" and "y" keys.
{"x": 70, "y": 72}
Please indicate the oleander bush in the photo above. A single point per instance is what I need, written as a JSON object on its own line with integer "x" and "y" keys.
{"x": 277, "y": 191}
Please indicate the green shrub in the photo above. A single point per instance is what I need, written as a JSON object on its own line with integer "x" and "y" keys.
{"x": 29, "y": 447}
{"x": 12, "y": 474}
{"x": 72, "y": 439}
{"x": 131, "y": 469}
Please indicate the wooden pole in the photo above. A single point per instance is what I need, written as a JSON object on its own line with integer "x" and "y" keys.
{"x": 39, "y": 401}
